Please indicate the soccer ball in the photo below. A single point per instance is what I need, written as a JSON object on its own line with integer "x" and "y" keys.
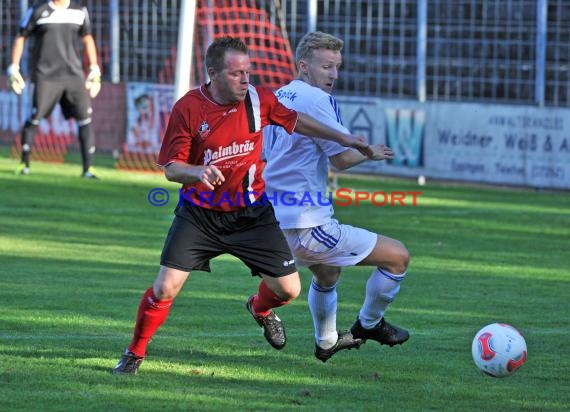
{"x": 498, "y": 350}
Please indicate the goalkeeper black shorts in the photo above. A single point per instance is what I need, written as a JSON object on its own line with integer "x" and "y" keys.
{"x": 70, "y": 94}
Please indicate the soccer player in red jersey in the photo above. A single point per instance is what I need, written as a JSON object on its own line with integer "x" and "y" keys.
{"x": 212, "y": 146}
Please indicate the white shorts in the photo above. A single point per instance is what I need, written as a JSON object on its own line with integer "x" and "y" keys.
{"x": 331, "y": 244}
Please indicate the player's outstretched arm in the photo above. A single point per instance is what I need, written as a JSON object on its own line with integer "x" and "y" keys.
{"x": 310, "y": 126}
{"x": 352, "y": 157}
{"x": 184, "y": 173}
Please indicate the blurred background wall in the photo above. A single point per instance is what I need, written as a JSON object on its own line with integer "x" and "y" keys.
{"x": 477, "y": 78}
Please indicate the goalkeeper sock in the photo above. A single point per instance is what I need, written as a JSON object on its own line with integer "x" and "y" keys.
{"x": 86, "y": 143}
{"x": 28, "y": 133}
{"x": 265, "y": 300}
{"x": 151, "y": 315}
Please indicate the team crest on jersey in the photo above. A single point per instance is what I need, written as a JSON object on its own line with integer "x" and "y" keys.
{"x": 204, "y": 129}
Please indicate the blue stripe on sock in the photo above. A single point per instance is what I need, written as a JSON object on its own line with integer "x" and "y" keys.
{"x": 323, "y": 289}
{"x": 397, "y": 278}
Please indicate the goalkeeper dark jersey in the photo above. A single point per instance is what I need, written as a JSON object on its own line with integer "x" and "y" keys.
{"x": 55, "y": 46}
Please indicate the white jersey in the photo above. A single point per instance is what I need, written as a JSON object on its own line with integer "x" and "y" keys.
{"x": 297, "y": 165}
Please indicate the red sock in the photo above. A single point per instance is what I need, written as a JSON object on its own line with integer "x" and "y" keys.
{"x": 265, "y": 300}
{"x": 151, "y": 314}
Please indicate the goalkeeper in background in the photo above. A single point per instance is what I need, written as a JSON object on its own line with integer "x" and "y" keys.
{"x": 56, "y": 28}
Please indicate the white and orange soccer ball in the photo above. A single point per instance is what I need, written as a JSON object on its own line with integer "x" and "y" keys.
{"x": 498, "y": 350}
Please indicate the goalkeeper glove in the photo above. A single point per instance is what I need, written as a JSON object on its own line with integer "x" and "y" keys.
{"x": 93, "y": 82}
{"x": 15, "y": 79}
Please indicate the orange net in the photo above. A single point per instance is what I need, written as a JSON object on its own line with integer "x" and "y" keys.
{"x": 50, "y": 146}
{"x": 261, "y": 28}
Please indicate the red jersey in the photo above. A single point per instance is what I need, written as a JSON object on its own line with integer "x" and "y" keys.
{"x": 203, "y": 132}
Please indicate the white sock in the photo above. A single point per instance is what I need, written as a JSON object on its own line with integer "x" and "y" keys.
{"x": 322, "y": 303}
{"x": 381, "y": 289}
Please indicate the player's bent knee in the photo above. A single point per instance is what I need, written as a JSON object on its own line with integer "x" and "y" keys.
{"x": 399, "y": 261}
{"x": 163, "y": 292}
{"x": 169, "y": 282}
{"x": 325, "y": 276}
{"x": 295, "y": 293}
{"x": 289, "y": 290}
{"x": 402, "y": 262}
{"x": 405, "y": 258}
{"x": 286, "y": 287}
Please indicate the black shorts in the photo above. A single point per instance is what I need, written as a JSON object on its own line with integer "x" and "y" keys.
{"x": 70, "y": 94}
{"x": 251, "y": 234}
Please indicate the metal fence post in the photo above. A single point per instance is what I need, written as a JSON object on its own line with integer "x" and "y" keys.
{"x": 115, "y": 43}
{"x": 23, "y": 7}
{"x": 24, "y": 61}
{"x": 541, "y": 22}
{"x": 312, "y": 8}
{"x": 421, "y": 50}
{"x": 185, "y": 47}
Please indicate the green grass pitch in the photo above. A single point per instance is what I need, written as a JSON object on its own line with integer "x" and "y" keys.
{"x": 76, "y": 255}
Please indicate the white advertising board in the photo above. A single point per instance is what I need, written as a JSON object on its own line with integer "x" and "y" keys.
{"x": 513, "y": 145}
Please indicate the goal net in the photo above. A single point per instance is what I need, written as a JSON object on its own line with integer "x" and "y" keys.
{"x": 48, "y": 146}
{"x": 259, "y": 24}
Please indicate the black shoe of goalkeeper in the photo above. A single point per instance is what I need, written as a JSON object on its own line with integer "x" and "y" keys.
{"x": 383, "y": 332}
{"x": 89, "y": 174}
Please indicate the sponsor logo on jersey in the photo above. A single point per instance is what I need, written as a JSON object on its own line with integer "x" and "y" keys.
{"x": 286, "y": 94}
{"x": 227, "y": 152}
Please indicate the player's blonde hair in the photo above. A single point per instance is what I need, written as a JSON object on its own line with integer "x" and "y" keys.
{"x": 314, "y": 41}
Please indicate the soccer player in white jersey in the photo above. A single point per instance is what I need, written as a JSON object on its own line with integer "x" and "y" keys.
{"x": 297, "y": 163}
